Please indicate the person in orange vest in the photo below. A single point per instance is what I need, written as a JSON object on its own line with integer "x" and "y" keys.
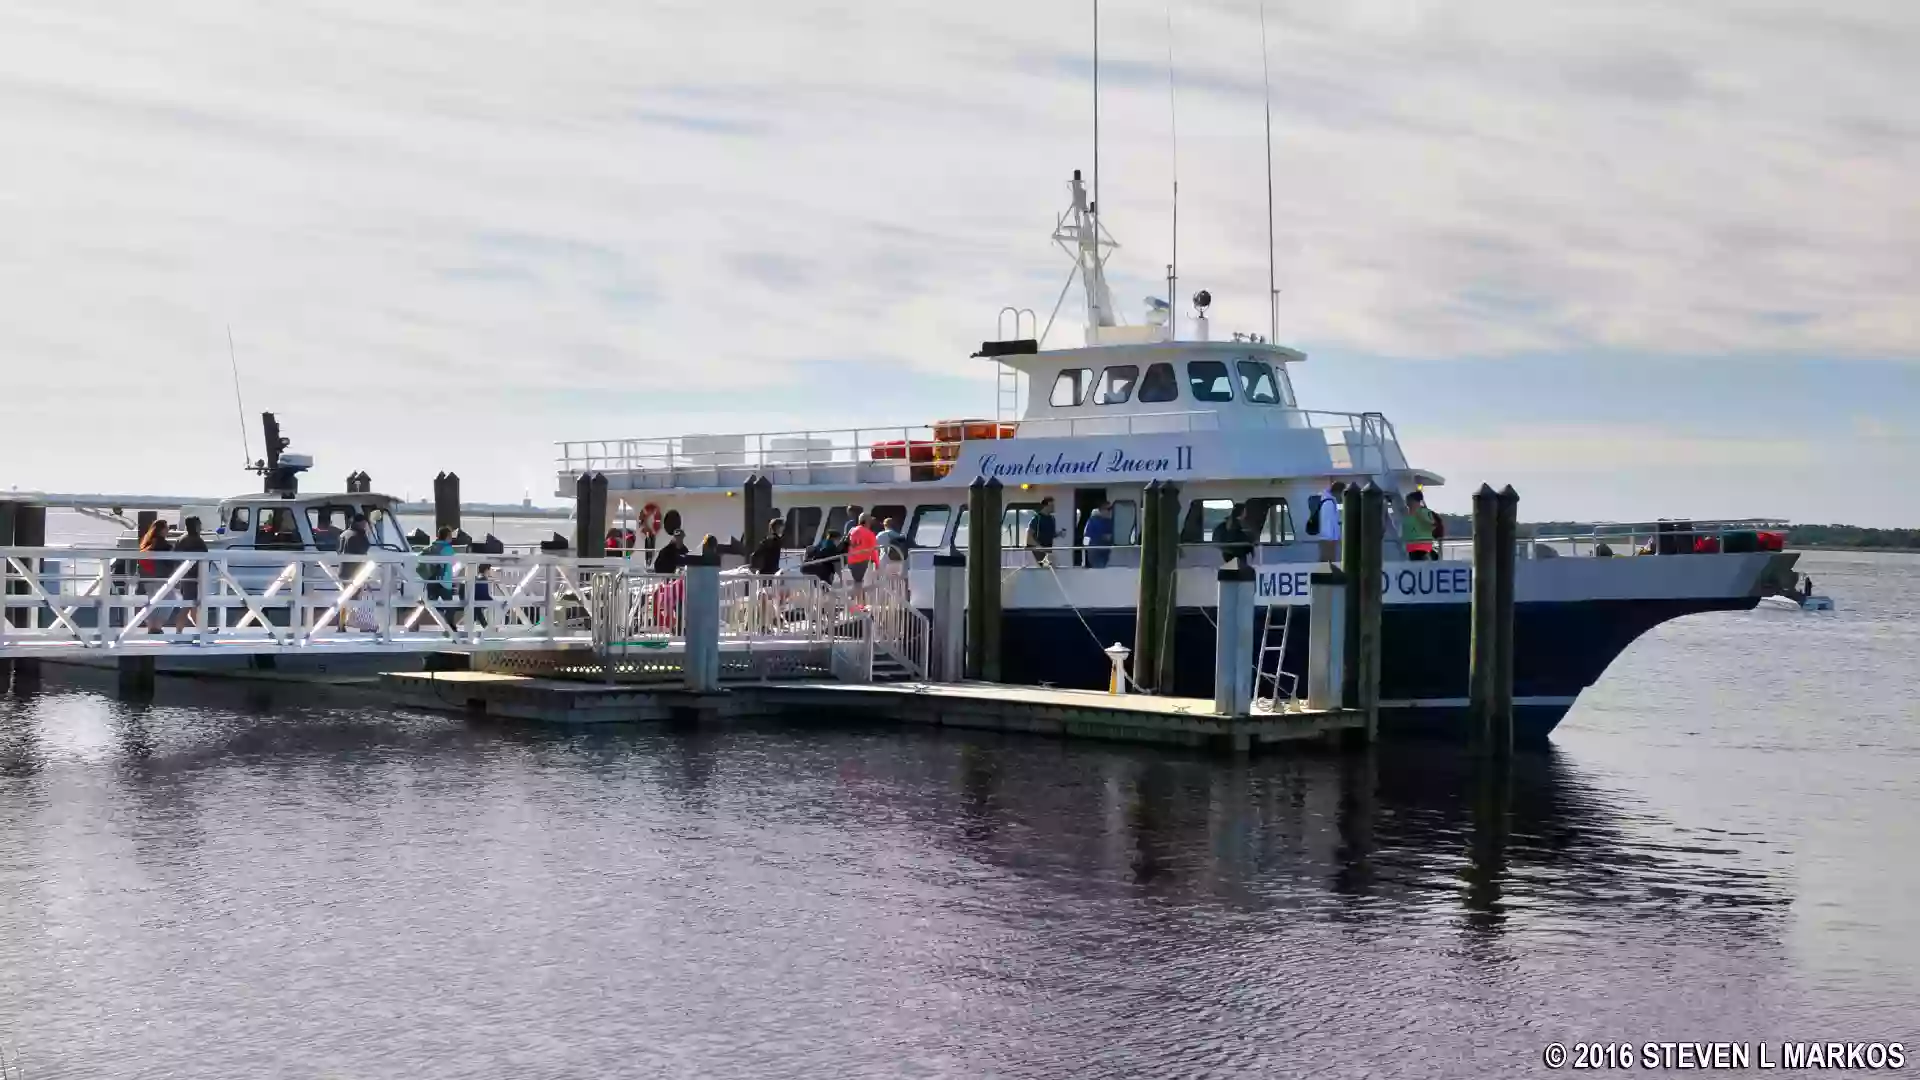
{"x": 863, "y": 552}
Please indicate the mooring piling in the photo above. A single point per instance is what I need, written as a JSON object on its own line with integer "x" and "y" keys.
{"x": 1490, "y": 670}
{"x": 949, "y": 651}
{"x": 1167, "y": 571}
{"x": 983, "y": 579}
{"x": 1147, "y": 615}
{"x": 446, "y": 502}
{"x": 1372, "y": 589}
{"x": 1233, "y": 643}
{"x": 1351, "y": 559}
{"x": 700, "y": 622}
{"x": 590, "y": 514}
{"x": 1327, "y": 638}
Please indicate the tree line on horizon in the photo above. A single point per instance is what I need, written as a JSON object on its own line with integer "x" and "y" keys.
{"x": 1460, "y": 526}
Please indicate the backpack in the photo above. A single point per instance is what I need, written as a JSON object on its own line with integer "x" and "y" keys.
{"x": 1313, "y": 514}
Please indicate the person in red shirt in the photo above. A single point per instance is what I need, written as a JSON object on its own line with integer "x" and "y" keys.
{"x": 863, "y": 553}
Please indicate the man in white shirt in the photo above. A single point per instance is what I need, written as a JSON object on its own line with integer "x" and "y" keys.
{"x": 1323, "y": 521}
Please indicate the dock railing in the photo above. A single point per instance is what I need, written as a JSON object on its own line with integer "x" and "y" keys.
{"x": 58, "y": 600}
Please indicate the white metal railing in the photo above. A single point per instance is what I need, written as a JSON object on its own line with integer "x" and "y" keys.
{"x": 927, "y": 444}
{"x": 899, "y": 630}
{"x": 58, "y": 600}
{"x": 1630, "y": 538}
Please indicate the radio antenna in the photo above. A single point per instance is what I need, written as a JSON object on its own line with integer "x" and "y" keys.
{"x": 246, "y": 452}
{"x": 1173, "y": 140}
{"x": 1266, "y": 85}
{"x": 1096, "y": 109}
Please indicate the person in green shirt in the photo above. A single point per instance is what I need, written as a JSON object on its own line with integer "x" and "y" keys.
{"x": 1421, "y": 529}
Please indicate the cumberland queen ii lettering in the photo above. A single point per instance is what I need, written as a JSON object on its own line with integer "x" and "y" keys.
{"x": 1104, "y": 463}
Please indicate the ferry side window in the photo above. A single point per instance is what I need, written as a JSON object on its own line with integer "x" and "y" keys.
{"x": 1160, "y": 384}
{"x": 1014, "y": 522}
{"x": 1203, "y": 515}
{"x": 1126, "y": 522}
{"x": 1116, "y": 384}
{"x": 929, "y": 525}
{"x": 241, "y": 520}
{"x": 959, "y": 541}
{"x": 326, "y": 524}
{"x": 1279, "y": 529}
{"x": 1256, "y": 383}
{"x": 803, "y": 522}
{"x": 1208, "y": 380}
{"x": 837, "y": 520}
{"x": 1070, "y": 387}
{"x": 882, "y": 513}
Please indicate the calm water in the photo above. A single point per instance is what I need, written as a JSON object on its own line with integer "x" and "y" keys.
{"x": 229, "y": 883}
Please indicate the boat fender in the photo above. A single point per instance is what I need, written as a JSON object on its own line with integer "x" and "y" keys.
{"x": 650, "y": 520}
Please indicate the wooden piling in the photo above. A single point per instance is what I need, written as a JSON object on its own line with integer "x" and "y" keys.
{"x": 983, "y": 579}
{"x": 757, "y": 500}
{"x": 1372, "y": 588}
{"x": 1483, "y": 693}
{"x": 1507, "y": 521}
{"x": 1168, "y": 575}
{"x": 590, "y": 515}
{"x": 9, "y": 518}
{"x": 1352, "y": 559}
{"x": 1147, "y": 616}
{"x": 29, "y": 530}
{"x": 446, "y": 502}
{"x": 136, "y": 677}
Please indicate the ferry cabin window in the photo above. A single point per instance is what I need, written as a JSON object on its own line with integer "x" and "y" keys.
{"x": 882, "y": 513}
{"x": 842, "y": 519}
{"x": 929, "y": 526}
{"x": 1014, "y": 523}
{"x": 959, "y": 541}
{"x": 1126, "y": 522}
{"x": 803, "y": 522}
{"x": 278, "y": 530}
{"x": 1207, "y": 380}
{"x": 1116, "y": 384}
{"x": 240, "y": 521}
{"x": 1160, "y": 384}
{"x": 1257, "y": 384}
{"x": 1070, "y": 387}
{"x": 1278, "y": 527}
{"x": 1203, "y": 515}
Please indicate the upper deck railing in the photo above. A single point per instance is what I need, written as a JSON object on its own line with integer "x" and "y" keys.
{"x": 849, "y": 453}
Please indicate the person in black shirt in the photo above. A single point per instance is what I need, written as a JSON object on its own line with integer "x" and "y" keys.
{"x": 823, "y": 558}
{"x": 1232, "y": 537}
{"x": 765, "y": 559}
{"x": 1042, "y": 531}
{"x": 189, "y": 589}
{"x": 673, "y": 555}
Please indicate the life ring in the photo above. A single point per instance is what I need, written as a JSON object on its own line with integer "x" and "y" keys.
{"x": 650, "y": 520}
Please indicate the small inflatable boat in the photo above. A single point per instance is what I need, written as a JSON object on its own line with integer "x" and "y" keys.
{"x": 1801, "y": 603}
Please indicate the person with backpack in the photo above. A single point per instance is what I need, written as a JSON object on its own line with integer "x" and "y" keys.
{"x": 1323, "y": 520}
{"x": 1421, "y": 530}
{"x": 823, "y": 558}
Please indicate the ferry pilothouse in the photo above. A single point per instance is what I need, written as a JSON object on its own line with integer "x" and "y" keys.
{"x": 1090, "y": 426}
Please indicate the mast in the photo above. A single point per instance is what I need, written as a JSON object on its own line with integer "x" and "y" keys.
{"x": 1266, "y": 85}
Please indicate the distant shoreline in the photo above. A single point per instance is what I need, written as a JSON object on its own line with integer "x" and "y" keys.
{"x": 1856, "y": 547}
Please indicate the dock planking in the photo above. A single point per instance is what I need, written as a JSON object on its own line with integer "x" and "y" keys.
{"x": 1189, "y": 722}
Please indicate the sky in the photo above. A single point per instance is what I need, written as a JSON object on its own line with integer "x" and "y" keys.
{"x": 1637, "y": 259}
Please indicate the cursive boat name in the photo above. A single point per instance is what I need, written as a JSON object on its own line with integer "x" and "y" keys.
{"x": 1105, "y": 463}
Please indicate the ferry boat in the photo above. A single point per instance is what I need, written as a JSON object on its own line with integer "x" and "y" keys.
{"x": 1089, "y": 426}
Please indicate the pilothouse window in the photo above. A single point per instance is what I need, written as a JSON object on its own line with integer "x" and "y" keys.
{"x": 1160, "y": 384}
{"x": 1070, "y": 387}
{"x": 1256, "y": 383}
{"x": 1208, "y": 380}
{"x": 1116, "y": 384}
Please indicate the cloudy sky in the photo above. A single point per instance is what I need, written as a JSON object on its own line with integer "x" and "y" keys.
{"x": 1637, "y": 258}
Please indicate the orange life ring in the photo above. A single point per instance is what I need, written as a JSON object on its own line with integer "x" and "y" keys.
{"x": 650, "y": 520}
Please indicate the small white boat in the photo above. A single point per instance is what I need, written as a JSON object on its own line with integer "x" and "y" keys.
{"x": 1798, "y": 603}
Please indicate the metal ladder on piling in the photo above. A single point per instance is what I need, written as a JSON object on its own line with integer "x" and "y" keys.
{"x": 1267, "y": 684}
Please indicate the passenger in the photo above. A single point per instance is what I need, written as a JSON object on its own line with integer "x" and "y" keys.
{"x": 153, "y": 571}
{"x": 1041, "y": 533}
{"x": 355, "y": 542}
{"x": 1323, "y": 520}
{"x": 823, "y": 558}
{"x": 765, "y": 559}
{"x": 893, "y": 549}
{"x": 673, "y": 555}
{"x": 1097, "y": 538}
{"x": 326, "y": 534}
{"x": 1420, "y": 529}
{"x": 1232, "y": 538}
{"x": 189, "y": 590}
{"x": 863, "y": 551}
{"x": 439, "y": 575}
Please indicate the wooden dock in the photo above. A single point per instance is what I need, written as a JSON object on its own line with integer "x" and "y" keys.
{"x": 1082, "y": 714}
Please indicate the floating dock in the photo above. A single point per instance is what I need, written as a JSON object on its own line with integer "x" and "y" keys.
{"x": 1190, "y": 722}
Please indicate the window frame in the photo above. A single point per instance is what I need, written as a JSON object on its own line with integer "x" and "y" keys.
{"x": 1082, "y": 386}
{"x": 1240, "y": 367}
{"x": 1101, "y": 395}
{"x": 1172, "y": 391}
{"x": 920, "y": 513}
{"x": 1212, "y": 396}
{"x": 803, "y": 526}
